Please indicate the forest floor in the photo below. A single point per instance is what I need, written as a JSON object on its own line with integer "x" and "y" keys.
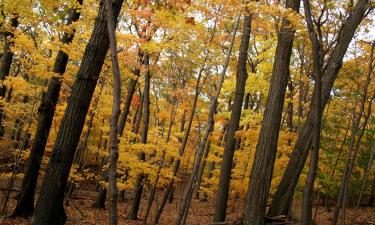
{"x": 79, "y": 211}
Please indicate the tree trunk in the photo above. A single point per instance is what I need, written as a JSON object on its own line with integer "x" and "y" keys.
{"x": 261, "y": 172}
{"x": 25, "y": 203}
{"x": 285, "y": 190}
{"x": 49, "y": 208}
{"x": 226, "y": 166}
{"x": 133, "y": 215}
{"x": 306, "y": 217}
{"x": 114, "y": 128}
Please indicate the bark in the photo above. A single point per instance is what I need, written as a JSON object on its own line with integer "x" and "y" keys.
{"x": 261, "y": 173}
{"x": 81, "y": 149}
{"x": 25, "y": 203}
{"x": 284, "y": 194}
{"x": 49, "y": 208}
{"x": 306, "y": 217}
{"x": 133, "y": 215}
{"x": 226, "y": 166}
{"x": 114, "y": 128}
{"x": 100, "y": 200}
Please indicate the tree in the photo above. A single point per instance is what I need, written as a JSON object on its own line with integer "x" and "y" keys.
{"x": 261, "y": 173}
{"x": 142, "y": 156}
{"x": 230, "y": 140}
{"x": 114, "y": 129}
{"x": 49, "y": 207}
{"x": 285, "y": 191}
{"x": 314, "y": 156}
{"x": 25, "y": 203}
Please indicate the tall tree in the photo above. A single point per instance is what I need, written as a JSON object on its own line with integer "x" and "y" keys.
{"x": 142, "y": 156}
{"x": 285, "y": 191}
{"x": 25, "y": 203}
{"x": 114, "y": 128}
{"x": 314, "y": 156}
{"x": 261, "y": 173}
{"x": 230, "y": 141}
{"x": 49, "y": 208}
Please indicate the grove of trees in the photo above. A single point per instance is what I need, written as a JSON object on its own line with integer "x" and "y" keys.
{"x": 182, "y": 112}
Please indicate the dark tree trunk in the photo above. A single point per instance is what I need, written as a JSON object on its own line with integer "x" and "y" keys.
{"x": 226, "y": 166}
{"x": 5, "y": 63}
{"x": 261, "y": 172}
{"x": 100, "y": 199}
{"x": 25, "y": 203}
{"x": 307, "y": 198}
{"x": 133, "y": 215}
{"x": 285, "y": 190}
{"x": 49, "y": 208}
{"x": 114, "y": 128}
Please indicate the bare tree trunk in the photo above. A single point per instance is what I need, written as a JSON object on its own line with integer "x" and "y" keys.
{"x": 49, "y": 208}
{"x": 306, "y": 217}
{"x": 261, "y": 172}
{"x": 285, "y": 191}
{"x": 133, "y": 215}
{"x": 230, "y": 140}
{"x": 25, "y": 203}
{"x": 114, "y": 129}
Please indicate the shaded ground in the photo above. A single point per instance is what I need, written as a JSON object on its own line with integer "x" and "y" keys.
{"x": 79, "y": 211}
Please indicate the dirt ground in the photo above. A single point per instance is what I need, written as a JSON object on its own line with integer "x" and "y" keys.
{"x": 79, "y": 211}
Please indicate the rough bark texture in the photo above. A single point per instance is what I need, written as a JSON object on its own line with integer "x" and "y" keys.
{"x": 25, "y": 203}
{"x": 261, "y": 173}
{"x": 49, "y": 208}
{"x": 146, "y": 120}
{"x": 226, "y": 166}
{"x": 285, "y": 190}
